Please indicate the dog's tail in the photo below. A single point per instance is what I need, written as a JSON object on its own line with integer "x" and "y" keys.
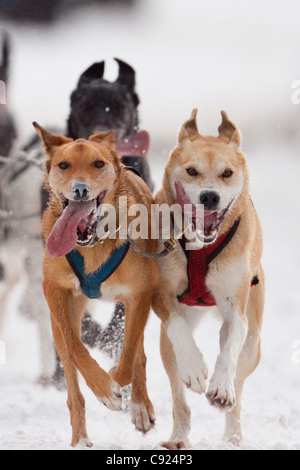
{"x": 4, "y": 57}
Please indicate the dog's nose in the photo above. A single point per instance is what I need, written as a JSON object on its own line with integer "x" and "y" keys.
{"x": 81, "y": 190}
{"x": 210, "y": 200}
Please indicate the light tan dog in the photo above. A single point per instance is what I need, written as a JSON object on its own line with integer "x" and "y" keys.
{"x": 216, "y": 270}
{"x": 80, "y": 175}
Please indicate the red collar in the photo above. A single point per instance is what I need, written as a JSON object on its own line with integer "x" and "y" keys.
{"x": 198, "y": 265}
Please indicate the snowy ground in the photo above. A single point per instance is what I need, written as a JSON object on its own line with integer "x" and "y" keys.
{"x": 32, "y": 417}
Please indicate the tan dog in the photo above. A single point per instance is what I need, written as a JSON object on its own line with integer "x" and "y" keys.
{"x": 81, "y": 174}
{"x": 217, "y": 272}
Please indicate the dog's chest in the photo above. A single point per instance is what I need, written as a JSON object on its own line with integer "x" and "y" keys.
{"x": 111, "y": 292}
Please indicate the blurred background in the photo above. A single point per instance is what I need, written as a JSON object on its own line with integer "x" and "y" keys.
{"x": 236, "y": 55}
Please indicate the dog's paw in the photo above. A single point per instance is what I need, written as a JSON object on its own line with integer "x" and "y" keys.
{"x": 221, "y": 393}
{"x": 142, "y": 416}
{"x": 233, "y": 438}
{"x": 82, "y": 442}
{"x": 194, "y": 372}
{"x": 113, "y": 401}
{"x": 85, "y": 442}
{"x": 176, "y": 444}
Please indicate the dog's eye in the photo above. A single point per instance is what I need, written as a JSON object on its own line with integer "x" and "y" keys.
{"x": 192, "y": 171}
{"x": 99, "y": 163}
{"x": 63, "y": 165}
{"x": 227, "y": 173}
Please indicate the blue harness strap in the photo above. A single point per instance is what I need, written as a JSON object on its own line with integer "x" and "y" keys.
{"x": 91, "y": 283}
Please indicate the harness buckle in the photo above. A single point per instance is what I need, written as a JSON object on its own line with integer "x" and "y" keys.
{"x": 106, "y": 235}
{"x": 170, "y": 244}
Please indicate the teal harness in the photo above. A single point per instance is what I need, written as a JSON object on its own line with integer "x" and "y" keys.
{"x": 91, "y": 283}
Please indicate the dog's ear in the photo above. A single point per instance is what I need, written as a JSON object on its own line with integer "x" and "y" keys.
{"x": 50, "y": 141}
{"x": 94, "y": 71}
{"x": 107, "y": 137}
{"x": 126, "y": 75}
{"x": 228, "y": 132}
{"x": 189, "y": 130}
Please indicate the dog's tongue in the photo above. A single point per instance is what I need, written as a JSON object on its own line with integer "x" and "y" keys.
{"x": 63, "y": 236}
{"x": 181, "y": 197}
{"x": 134, "y": 145}
{"x": 206, "y": 218}
{"x": 209, "y": 218}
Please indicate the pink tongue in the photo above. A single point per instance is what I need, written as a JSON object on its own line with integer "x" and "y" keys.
{"x": 210, "y": 218}
{"x": 181, "y": 197}
{"x": 135, "y": 145}
{"x": 207, "y": 218}
{"x": 63, "y": 236}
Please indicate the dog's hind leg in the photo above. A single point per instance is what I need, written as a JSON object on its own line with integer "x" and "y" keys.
{"x": 247, "y": 363}
{"x": 141, "y": 408}
{"x": 181, "y": 412}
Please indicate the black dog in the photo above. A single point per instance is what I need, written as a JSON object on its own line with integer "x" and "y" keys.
{"x": 100, "y": 105}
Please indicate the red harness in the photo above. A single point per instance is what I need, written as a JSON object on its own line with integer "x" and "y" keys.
{"x": 198, "y": 265}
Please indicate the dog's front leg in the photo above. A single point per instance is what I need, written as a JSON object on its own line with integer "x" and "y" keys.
{"x": 136, "y": 315}
{"x": 67, "y": 311}
{"x": 232, "y": 302}
{"x": 191, "y": 365}
{"x": 132, "y": 365}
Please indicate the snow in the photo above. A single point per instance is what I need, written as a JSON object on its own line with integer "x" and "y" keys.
{"x": 238, "y": 56}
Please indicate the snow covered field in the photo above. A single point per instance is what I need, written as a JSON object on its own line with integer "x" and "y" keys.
{"x": 242, "y": 58}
